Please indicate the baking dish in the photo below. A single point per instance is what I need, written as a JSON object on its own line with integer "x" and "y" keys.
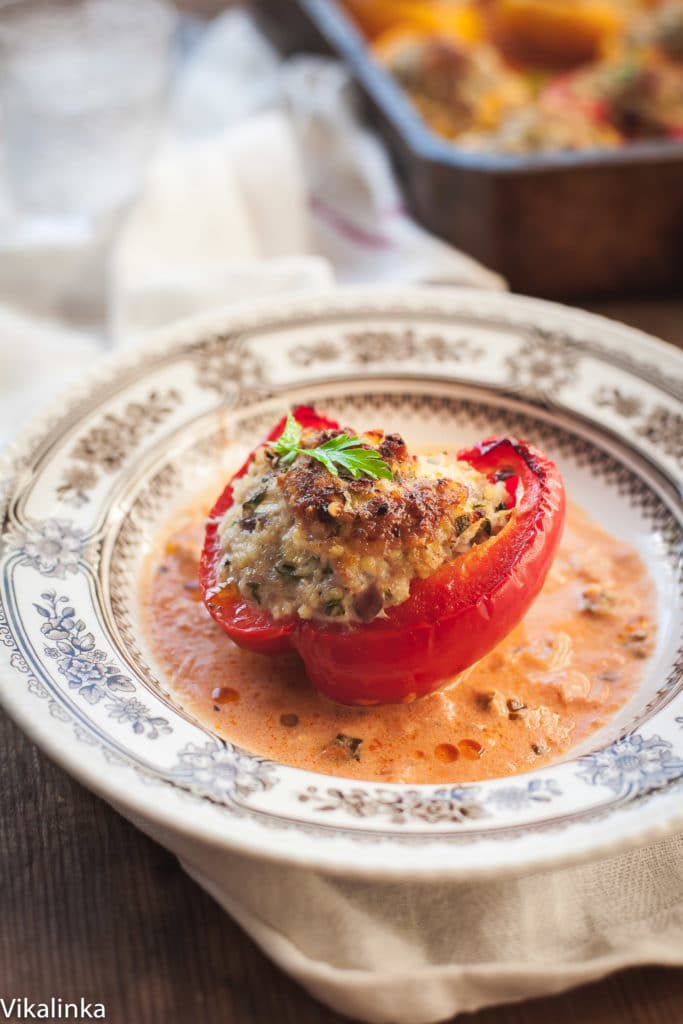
{"x": 561, "y": 225}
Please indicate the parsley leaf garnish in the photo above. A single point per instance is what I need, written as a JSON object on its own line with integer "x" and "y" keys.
{"x": 342, "y": 452}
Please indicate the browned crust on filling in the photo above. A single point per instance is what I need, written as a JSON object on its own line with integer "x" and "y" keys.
{"x": 407, "y": 509}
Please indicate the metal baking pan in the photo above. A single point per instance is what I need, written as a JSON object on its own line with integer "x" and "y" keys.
{"x": 561, "y": 225}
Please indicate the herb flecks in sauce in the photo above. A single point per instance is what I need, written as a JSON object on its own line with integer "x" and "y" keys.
{"x": 351, "y": 745}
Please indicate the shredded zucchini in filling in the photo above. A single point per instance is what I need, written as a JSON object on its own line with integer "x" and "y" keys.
{"x": 300, "y": 541}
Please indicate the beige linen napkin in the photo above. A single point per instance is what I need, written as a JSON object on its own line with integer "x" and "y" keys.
{"x": 416, "y": 953}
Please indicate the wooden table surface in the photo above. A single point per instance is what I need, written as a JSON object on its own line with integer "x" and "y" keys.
{"x": 91, "y": 907}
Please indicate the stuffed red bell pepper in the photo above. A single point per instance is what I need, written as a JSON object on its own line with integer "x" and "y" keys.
{"x": 388, "y": 572}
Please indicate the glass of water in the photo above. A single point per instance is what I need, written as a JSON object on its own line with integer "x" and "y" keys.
{"x": 82, "y": 92}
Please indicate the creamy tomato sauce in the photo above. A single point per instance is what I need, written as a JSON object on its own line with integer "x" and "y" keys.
{"x": 574, "y": 660}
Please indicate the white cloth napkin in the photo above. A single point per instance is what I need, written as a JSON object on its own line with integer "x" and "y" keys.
{"x": 211, "y": 228}
{"x": 303, "y": 194}
{"x": 28, "y": 346}
{"x": 267, "y": 181}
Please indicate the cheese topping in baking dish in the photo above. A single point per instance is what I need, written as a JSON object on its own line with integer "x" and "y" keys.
{"x": 299, "y": 540}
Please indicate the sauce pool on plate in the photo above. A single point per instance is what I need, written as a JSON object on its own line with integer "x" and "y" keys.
{"x": 573, "y": 661}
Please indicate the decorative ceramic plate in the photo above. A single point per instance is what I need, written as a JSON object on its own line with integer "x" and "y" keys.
{"x": 83, "y": 493}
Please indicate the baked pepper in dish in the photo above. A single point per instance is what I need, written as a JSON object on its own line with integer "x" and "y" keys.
{"x": 389, "y": 573}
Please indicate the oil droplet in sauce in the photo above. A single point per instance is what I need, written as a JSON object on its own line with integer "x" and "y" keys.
{"x": 225, "y": 695}
{"x": 471, "y": 749}
{"x": 446, "y": 752}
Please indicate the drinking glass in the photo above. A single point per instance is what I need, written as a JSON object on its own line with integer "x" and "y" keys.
{"x": 82, "y": 92}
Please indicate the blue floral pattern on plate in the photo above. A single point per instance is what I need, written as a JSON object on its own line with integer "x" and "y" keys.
{"x": 87, "y": 669}
{"x": 633, "y": 766}
{"x": 53, "y": 547}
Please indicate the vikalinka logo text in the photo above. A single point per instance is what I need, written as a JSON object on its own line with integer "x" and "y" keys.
{"x": 21, "y": 1008}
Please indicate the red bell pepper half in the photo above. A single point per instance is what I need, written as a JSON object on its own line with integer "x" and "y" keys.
{"x": 450, "y": 619}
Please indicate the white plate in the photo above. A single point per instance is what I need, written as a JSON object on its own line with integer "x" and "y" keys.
{"x": 83, "y": 492}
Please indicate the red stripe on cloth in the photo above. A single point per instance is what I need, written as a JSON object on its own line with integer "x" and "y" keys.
{"x": 353, "y": 232}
